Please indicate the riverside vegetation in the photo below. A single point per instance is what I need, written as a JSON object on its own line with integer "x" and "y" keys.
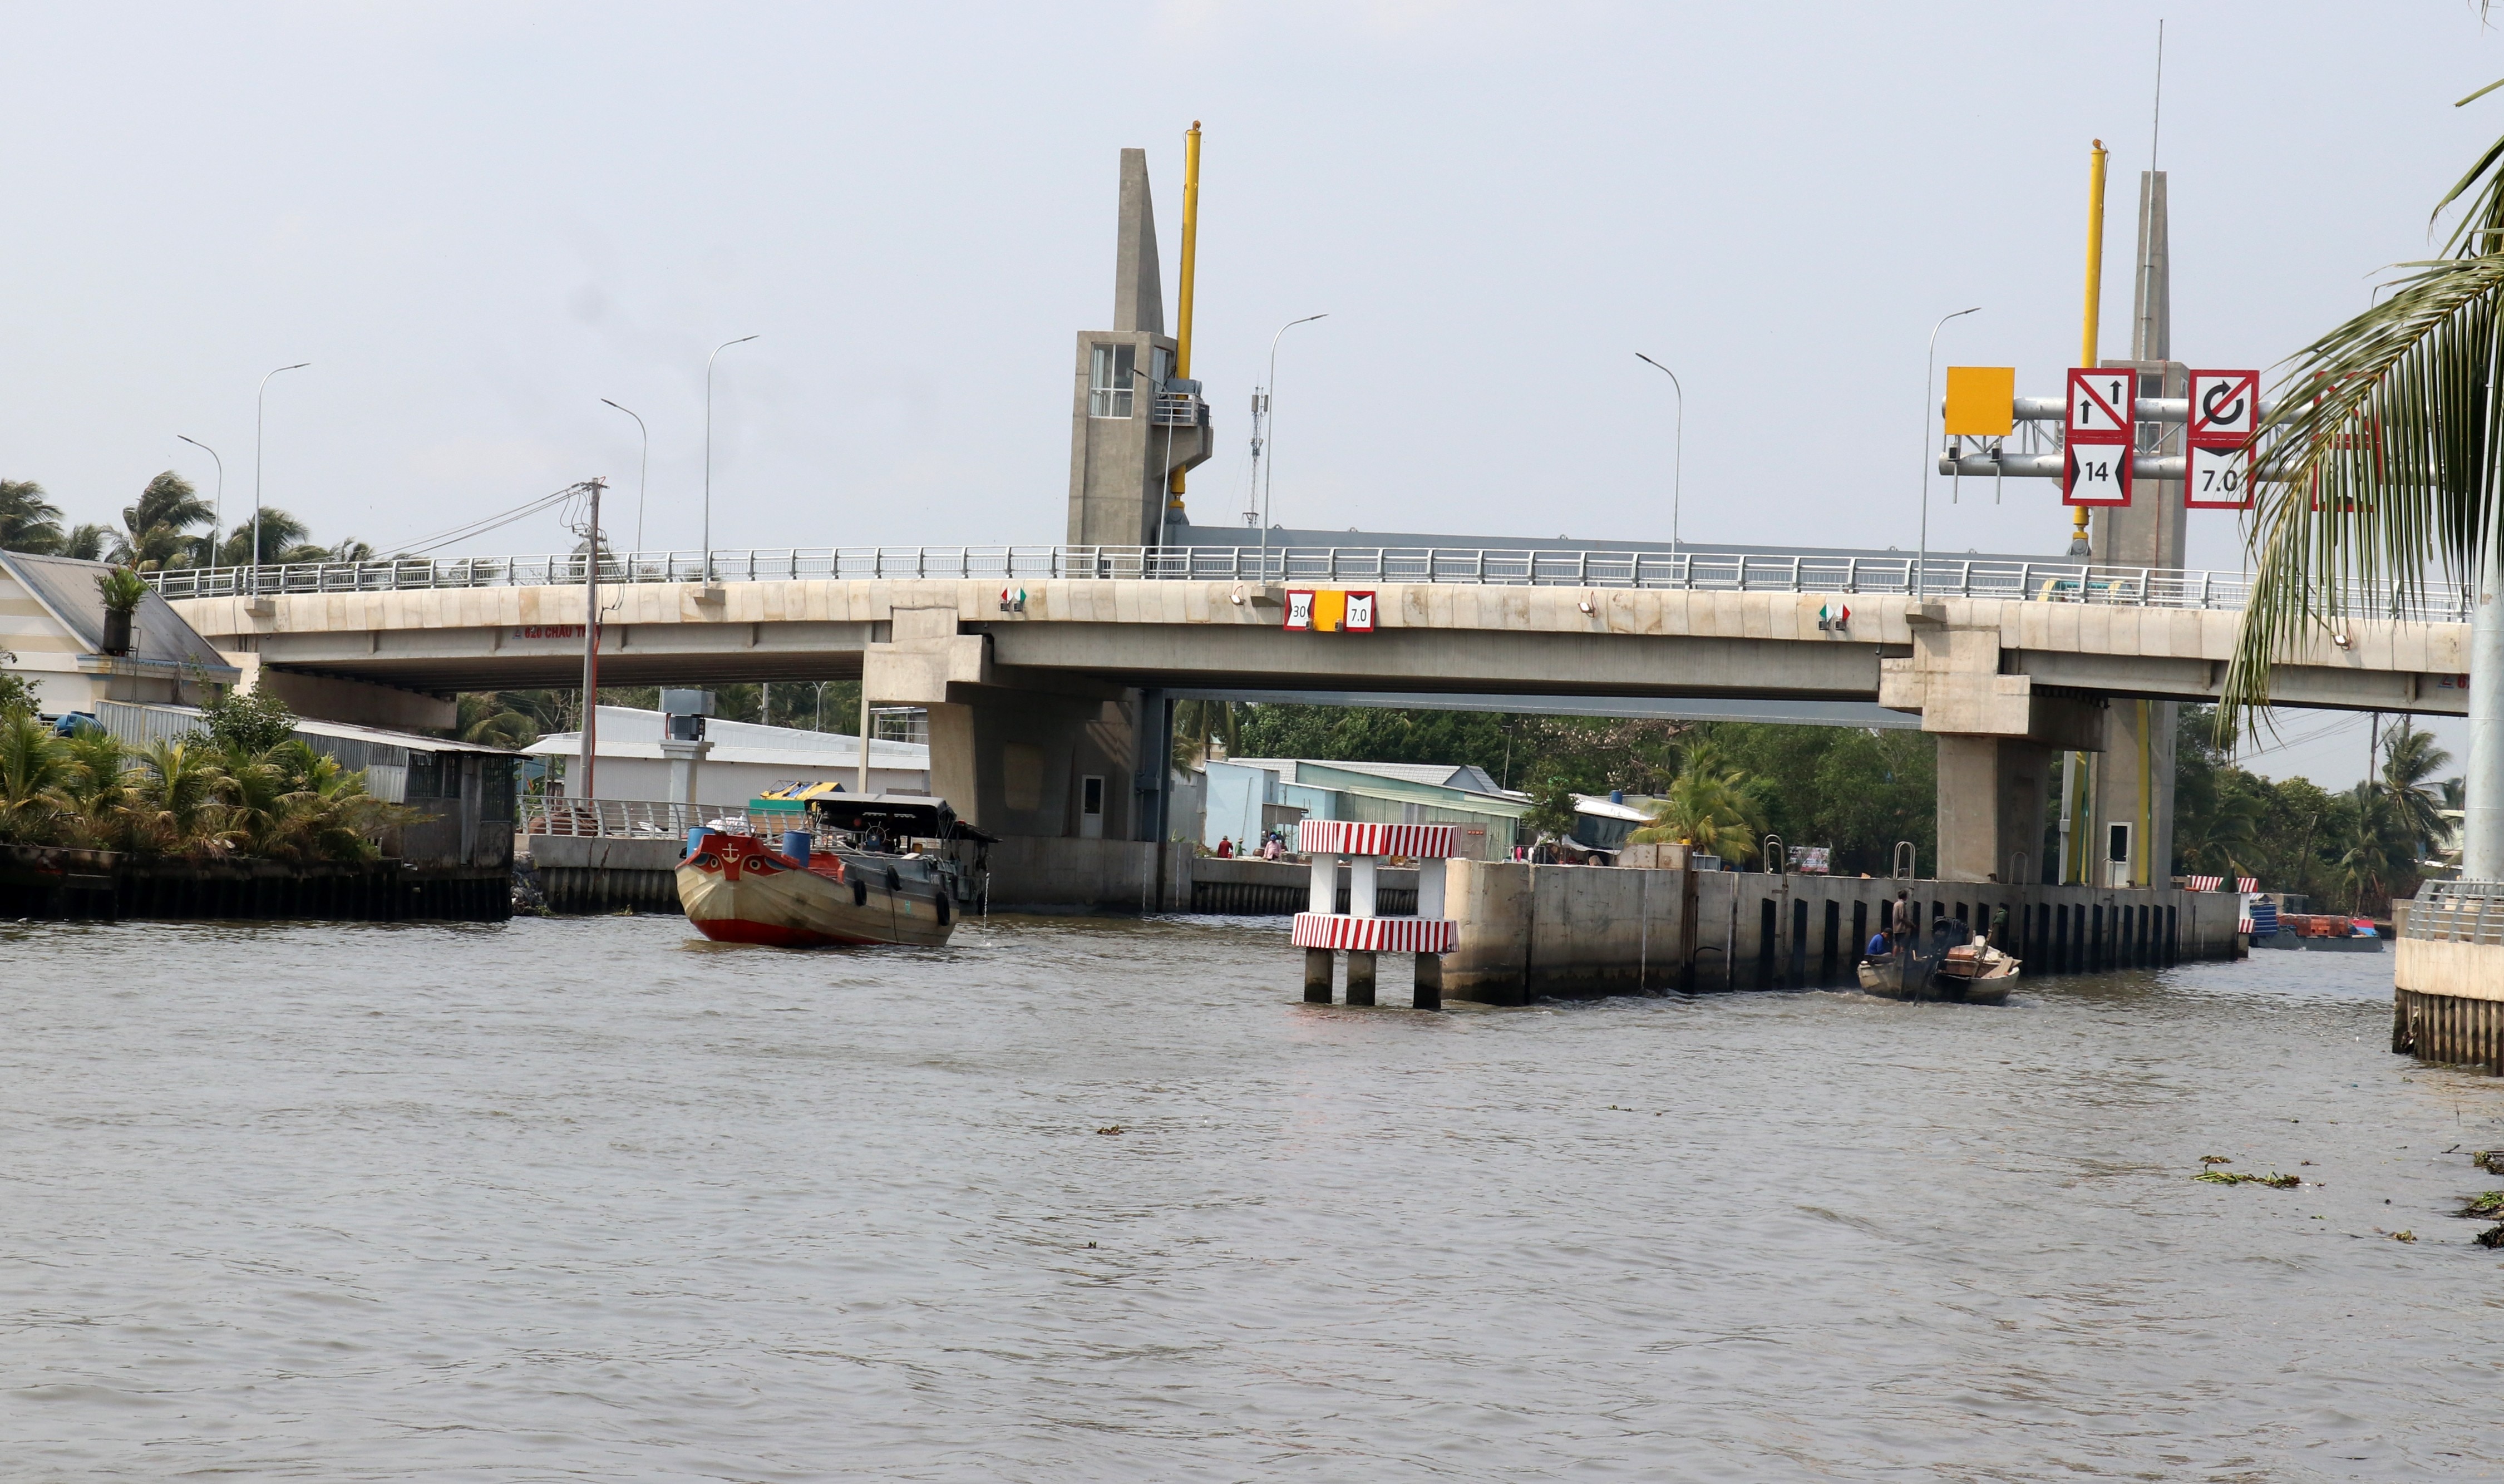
{"x": 242, "y": 786}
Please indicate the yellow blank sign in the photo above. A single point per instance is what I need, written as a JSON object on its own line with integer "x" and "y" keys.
{"x": 1982, "y": 400}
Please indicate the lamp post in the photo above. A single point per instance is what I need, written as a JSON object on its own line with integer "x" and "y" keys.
{"x": 643, "y": 468}
{"x": 1270, "y": 405}
{"x": 1678, "y": 466}
{"x": 1930, "y": 368}
{"x": 217, "y": 511}
{"x": 260, "y": 400}
{"x": 707, "y": 493}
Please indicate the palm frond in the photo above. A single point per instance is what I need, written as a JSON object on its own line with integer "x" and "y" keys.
{"x": 2377, "y": 465}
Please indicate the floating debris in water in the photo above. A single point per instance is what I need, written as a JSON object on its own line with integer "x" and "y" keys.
{"x": 2404, "y": 1236}
{"x": 2493, "y": 1236}
{"x": 2273, "y": 1180}
{"x": 2214, "y": 1159}
{"x": 2491, "y": 1160}
{"x": 1110, "y": 1128}
{"x": 2489, "y": 1204}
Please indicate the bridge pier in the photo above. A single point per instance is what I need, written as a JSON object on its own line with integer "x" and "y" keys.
{"x": 1990, "y": 809}
{"x": 1997, "y": 734}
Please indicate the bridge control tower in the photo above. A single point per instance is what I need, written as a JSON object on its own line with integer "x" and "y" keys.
{"x": 1136, "y": 419}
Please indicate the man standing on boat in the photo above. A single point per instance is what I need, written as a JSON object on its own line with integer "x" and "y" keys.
{"x": 1903, "y": 926}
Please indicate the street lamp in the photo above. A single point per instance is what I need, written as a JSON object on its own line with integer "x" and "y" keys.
{"x": 218, "y": 511}
{"x": 1930, "y": 368}
{"x": 707, "y": 495}
{"x": 1678, "y": 475}
{"x": 1270, "y": 406}
{"x": 260, "y": 400}
{"x": 642, "y": 467}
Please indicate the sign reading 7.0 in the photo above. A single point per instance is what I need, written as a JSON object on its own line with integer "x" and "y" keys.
{"x": 2225, "y": 413}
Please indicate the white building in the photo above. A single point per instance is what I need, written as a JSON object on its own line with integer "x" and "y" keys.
{"x": 744, "y": 761}
{"x": 51, "y": 634}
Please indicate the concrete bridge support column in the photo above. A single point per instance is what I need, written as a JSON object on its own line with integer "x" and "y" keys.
{"x": 1996, "y": 735}
{"x": 1990, "y": 811}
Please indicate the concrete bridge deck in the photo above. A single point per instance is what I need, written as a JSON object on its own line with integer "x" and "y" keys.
{"x": 1047, "y": 689}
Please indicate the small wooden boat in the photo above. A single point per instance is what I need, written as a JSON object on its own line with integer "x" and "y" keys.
{"x": 1970, "y": 974}
{"x": 735, "y": 888}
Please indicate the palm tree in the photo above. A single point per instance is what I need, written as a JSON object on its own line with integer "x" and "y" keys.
{"x": 33, "y": 768}
{"x": 174, "y": 803}
{"x": 2367, "y": 858}
{"x": 156, "y": 532}
{"x": 28, "y": 522}
{"x": 2380, "y": 464}
{"x": 486, "y": 717}
{"x": 97, "y": 788}
{"x": 1199, "y": 723}
{"x": 1710, "y": 807}
{"x": 2409, "y": 760}
{"x": 281, "y": 536}
{"x": 87, "y": 542}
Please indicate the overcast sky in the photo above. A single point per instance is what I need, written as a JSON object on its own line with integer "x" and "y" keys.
{"x": 477, "y": 220}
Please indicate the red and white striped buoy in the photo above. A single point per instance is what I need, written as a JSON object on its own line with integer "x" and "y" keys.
{"x": 1322, "y": 930}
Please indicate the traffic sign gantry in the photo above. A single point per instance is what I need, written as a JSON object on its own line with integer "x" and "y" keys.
{"x": 2225, "y": 412}
{"x": 2096, "y": 468}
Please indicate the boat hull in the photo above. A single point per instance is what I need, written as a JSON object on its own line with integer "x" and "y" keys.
{"x": 1917, "y": 979}
{"x": 2284, "y": 940}
{"x": 737, "y": 890}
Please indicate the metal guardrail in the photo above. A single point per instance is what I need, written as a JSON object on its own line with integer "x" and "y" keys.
{"x": 1515, "y": 566}
{"x": 2453, "y": 912}
{"x": 624, "y": 818}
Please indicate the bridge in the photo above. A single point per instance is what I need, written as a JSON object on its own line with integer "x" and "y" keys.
{"x": 1049, "y": 672}
{"x": 1044, "y": 665}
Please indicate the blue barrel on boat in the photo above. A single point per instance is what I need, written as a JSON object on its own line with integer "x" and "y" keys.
{"x": 795, "y": 844}
{"x": 695, "y": 839}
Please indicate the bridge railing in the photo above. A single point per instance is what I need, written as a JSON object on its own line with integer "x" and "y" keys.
{"x": 1515, "y": 566}
{"x": 624, "y": 818}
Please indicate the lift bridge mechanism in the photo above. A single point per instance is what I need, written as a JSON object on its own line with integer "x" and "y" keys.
{"x": 2102, "y": 437}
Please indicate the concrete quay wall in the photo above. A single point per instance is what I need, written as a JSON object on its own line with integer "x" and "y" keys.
{"x": 1527, "y": 931}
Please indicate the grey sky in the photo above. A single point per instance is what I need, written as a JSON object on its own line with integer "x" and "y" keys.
{"x": 477, "y": 220}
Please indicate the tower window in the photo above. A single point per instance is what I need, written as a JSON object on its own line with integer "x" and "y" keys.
{"x": 1109, "y": 380}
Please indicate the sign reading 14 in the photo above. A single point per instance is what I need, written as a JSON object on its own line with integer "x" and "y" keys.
{"x": 2097, "y": 440}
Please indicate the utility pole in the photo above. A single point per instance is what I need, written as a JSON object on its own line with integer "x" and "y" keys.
{"x": 591, "y": 644}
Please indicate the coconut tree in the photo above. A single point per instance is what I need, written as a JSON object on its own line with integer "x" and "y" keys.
{"x": 2410, "y": 761}
{"x": 1707, "y": 806}
{"x": 97, "y": 788}
{"x": 28, "y": 522}
{"x": 33, "y": 768}
{"x": 157, "y": 531}
{"x": 174, "y": 800}
{"x": 2381, "y": 464}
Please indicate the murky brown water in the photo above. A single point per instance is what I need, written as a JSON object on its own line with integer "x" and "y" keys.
{"x": 590, "y": 1200}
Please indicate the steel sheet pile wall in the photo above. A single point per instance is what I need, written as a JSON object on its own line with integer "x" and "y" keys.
{"x": 1575, "y": 930}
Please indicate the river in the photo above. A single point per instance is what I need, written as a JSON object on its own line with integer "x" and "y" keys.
{"x": 1090, "y": 1199}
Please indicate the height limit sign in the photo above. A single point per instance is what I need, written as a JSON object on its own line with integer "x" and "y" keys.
{"x": 2097, "y": 440}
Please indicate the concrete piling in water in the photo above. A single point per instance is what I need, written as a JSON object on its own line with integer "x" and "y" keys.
{"x": 1317, "y": 975}
{"x": 1428, "y": 994}
{"x": 1360, "y": 977}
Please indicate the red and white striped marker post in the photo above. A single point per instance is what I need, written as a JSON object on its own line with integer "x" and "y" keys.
{"x": 1322, "y": 929}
